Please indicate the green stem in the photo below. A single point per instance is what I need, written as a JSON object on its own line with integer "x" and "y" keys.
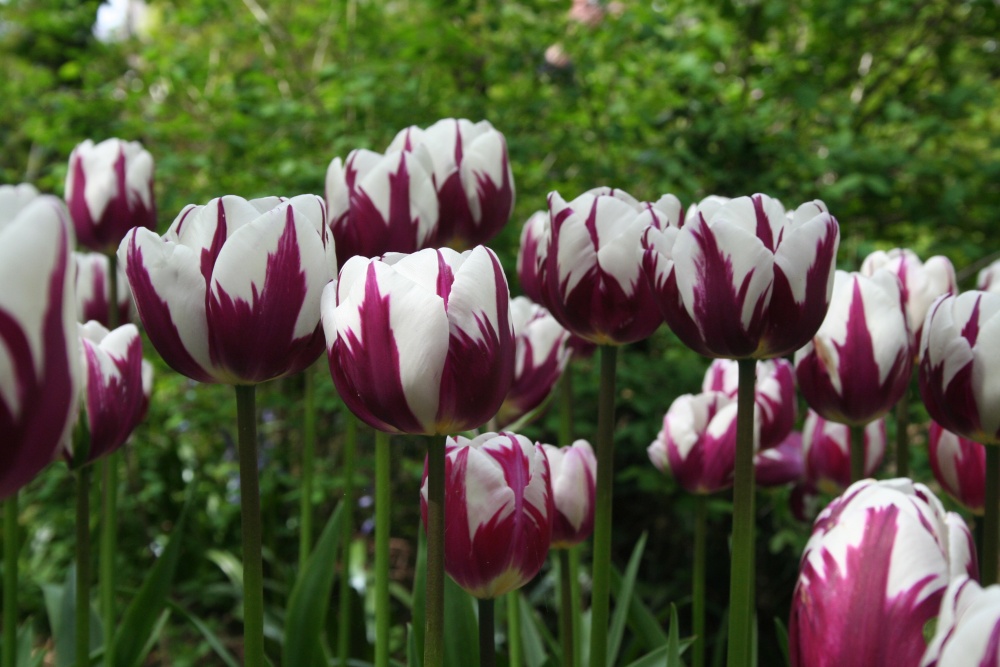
{"x": 577, "y": 604}
{"x": 10, "y": 552}
{"x": 382, "y": 519}
{"x": 344, "y": 628}
{"x": 991, "y": 530}
{"x": 902, "y": 441}
{"x": 566, "y": 608}
{"x": 113, "y": 320}
{"x": 741, "y": 584}
{"x": 857, "y": 444}
{"x": 698, "y": 573}
{"x": 434, "y": 635}
{"x": 253, "y": 568}
{"x": 599, "y": 601}
{"x": 82, "y": 612}
{"x": 513, "y": 630}
{"x": 487, "y": 642}
{"x": 109, "y": 502}
{"x": 566, "y": 406}
{"x": 308, "y": 467}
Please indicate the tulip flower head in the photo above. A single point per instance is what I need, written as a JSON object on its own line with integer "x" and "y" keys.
{"x": 826, "y": 452}
{"x": 574, "y": 471}
{"x": 472, "y": 175}
{"x": 968, "y": 627}
{"x": 381, "y": 203}
{"x": 231, "y": 293}
{"x": 959, "y": 466}
{"x": 774, "y": 395}
{"x": 873, "y": 573}
{"x": 109, "y": 190}
{"x": 39, "y": 362}
{"x": 421, "y": 343}
{"x": 593, "y": 271}
{"x": 857, "y": 366}
{"x": 988, "y": 279}
{"x": 742, "y": 279}
{"x": 782, "y": 464}
{"x": 531, "y": 256}
{"x": 959, "y": 364}
{"x": 93, "y": 289}
{"x": 498, "y": 491}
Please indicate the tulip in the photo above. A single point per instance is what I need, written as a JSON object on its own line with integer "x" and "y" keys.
{"x": 858, "y": 364}
{"x": 573, "y": 470}
{"x": 381, "y": 203}
{"x": 498, "y": 489}
{"x": 540, "y": 357}
{"x": 231, "y": 293}
{"x": 93, "y": 289}
{"x": 531, "y": 256}
{"x": 109, "y": 190}
{"x": 988, "y": 279}
{"x": 873, "y": 573}
{"x": 706, "y": 207}
{"x": 959, "y": 466}
{"x": 475, "y": 185}
{"x": 774, "y": 395}
{"x": 421, "y": 343}
{"x": 780, "y": 465}
{"x": 742, "y": 279}
{"x": 968, "y": 628}
{"x": 13, "y": 198}
{"x": 826, "y": 451}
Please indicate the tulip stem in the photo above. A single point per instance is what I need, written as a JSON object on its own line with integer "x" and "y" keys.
{"x": 82, "y": 610}
{"x": 741, "y": 585}
{"x": 566, "y": 608}
{"x": 10, "y": 551}
{"x": 487, "y": 641}
{"x": 308, "y": 468}
{"x": 902, "y": 441}
{"x": 253, "y": 569}
{"x": 698, "y": 573}
{"x": 599, "y": 602}
{"x": 434, "y": 633}
{"x": 991, "y": 530}
{"x": 513, "y": 630}
{"x": 577, "y": 605}
{"x": 566, "y": 407}
{"x": 382, "y": 518}
{"x": 344, "y": 628}
{"x": 857, "y": 444}
{"x": 109, "y": 526}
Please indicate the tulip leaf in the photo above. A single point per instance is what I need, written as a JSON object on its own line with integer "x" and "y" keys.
{"x": 642, "y": 621}
{"x": 25, "y": 645}
{"x": 461, "y": 629}
{"x": 669, "y": 653}
{"x": 310, "y": 599}
{"x": 532, "y": 647}
{"x": 417, "y": 611}
{"x": 60, "y": 601}
{"x": 623, "y": 601}
{"x": 213, "y": 640}
{"x": 782, "y": 632}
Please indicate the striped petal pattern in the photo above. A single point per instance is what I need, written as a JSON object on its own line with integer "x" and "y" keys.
{"x": 774, "y": 393}
{"x": 968, "y": 627}
{"x": 959, "y": 466}
{"x": 574, "y": 471}
{"x": 93, "y": 289}
{"x": 826, "y": 452}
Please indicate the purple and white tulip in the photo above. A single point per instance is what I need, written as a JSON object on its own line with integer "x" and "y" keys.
{"x": 873, "y": 573}
{"x": 475, "y": 185}
{"x": 594, "y": 276}
{"x": 857, "y": 366}
{"x": 114, "y": 395}
{"x": 742, "y": 279}
{"x": 531, "y": 257}
{"x": 421, "y": 343}
{"x": 93, "y": 289}
{"x": 988, "y": 279}
{"x": 574, "y": 471}
{"x": 826, "y": 451}
{"x": 231, "y": 293}
{"x": 39, "y": 361}
{"x": 959, "y": 364}
{"x": 498, "y": 490}
{"x": 922, "y": 282}
{"x": 968, "y": 628}
{"x": 780, "y": 465}
{"x": 959, "y": 466}
{"x": 109, "y": 190}
{"x": 697, "y": 444}
{"x": 776, "y": 402}
{"x": 381, "y": 203}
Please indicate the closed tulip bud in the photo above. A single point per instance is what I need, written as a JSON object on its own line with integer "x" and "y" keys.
{"x": 857, "y": 366}
{"x": 540, "y": 357}
{"x": 780, "y": 465}
{"x": 959, "y": 350}
{"x": 39, "y": 362}
{"x": 381, "y": 203}
{"x": 742, "y": 279}
{"x": 93, "y": 289}
{"x": 421, "y": 343}
{"x": 595, "y": 283}
{"x": 873, "y": 573}
{"x": 109, "y": 190}
{"x": 113, "y": 397}
{"x": 959, "y": 466}
{"x": 988, "y": 279}
{"x": 475, "y": 185}
{"x": 231, "y": 293}
{"x": 922, "y": 282}
{"x": 697, "y": 444}
{"x": 531, "y": 256}
{"x": 498, "y": 491}
{"x": 967, "y": 631}
{"x": 574, "y": 471}
{"x": 776, "y": 402}
{"x": 827, "y": 453}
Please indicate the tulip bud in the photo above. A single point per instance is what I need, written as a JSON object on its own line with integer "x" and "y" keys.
{"x": 531, "y": 256}
{"x": 498, "y": 526}
{"x": 959, "y": 466}
{"x": 782, "y": 464}
{"x": 574, "y": 471}
{"x": 774, "y": 394}
{"x": 967, "y": 631}
{"x": 93, "y": 289}
{"x": 988, "y": 279}
{"x": 826, "y": 450}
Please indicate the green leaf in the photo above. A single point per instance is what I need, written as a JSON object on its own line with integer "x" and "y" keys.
{"x": 532, "y": 646}
{"x": 623, "y": 601}
{"x": 782, "y": 632}
{"x": 419, "y": 600}
{"x": 310, "y": 599}
{"x": 641, "y": 620}
{"x": 673, "y": 640}
{"x": 461, "y": 640}
{"x": 206, "y": 632}
{"x": 61, "y": 604}
{"x": 25, "y": 645}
